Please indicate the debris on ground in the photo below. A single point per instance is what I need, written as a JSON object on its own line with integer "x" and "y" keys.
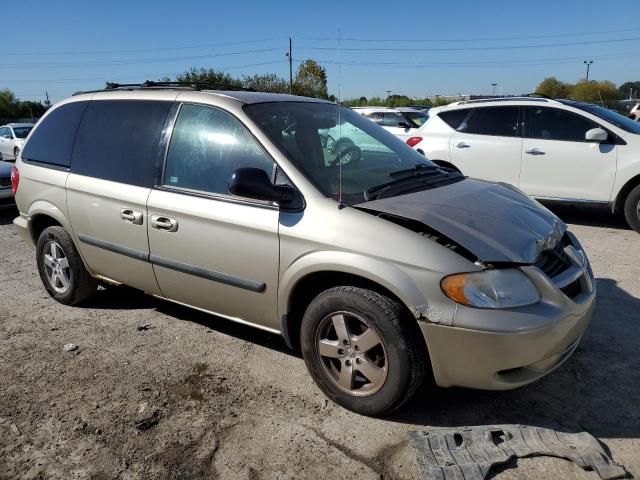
{"x": 145, "y": 327}
{"x": 470, "y": 452}
{"x": 15, "y": 429}
{"x": 143, "y": 406}
{"x": 149, "y": 421}
{"x": 70, "y": 347}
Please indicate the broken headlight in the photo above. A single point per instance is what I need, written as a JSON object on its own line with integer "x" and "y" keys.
{"x": 506, "y": 288}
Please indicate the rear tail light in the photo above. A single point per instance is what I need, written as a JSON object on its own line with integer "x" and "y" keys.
{"x": 15, "y": 179}
{"x": 413, "y": 141}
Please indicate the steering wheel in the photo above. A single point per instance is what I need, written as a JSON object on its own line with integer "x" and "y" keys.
{"x": 349, "y": 155}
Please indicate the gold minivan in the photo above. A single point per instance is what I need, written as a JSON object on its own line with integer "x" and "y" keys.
{"x": 302, "y": 218}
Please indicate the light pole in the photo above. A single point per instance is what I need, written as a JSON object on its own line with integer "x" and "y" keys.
{"x": 494, "y": 85}
{"x": 588, "y": 64}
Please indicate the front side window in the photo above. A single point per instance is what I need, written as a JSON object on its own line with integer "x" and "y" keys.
{"x": 620, "y": 121}
{"x": 497, "y": 121}
{"x": 555, "y": 124}
{"x": 342, "y": 153}
{"x": 206, "y": 147}
{"x": 393, "y": 119}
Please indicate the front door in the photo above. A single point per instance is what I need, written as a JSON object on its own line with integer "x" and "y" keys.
{"x": 557, "y": 161}
{"x": 487, "y": 145}
{"x": 210, "y": 249}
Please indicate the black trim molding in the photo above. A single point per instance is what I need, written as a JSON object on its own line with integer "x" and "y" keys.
{"x": 219, "y": 277}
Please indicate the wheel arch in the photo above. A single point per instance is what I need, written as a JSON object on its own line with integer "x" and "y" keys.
{"x": 43, "y": 214}
{"x": 618, "y": 203}
{"x": 310, "y": 276}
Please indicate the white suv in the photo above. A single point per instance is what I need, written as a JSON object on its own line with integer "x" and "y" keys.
{"x": 554, "y": 150}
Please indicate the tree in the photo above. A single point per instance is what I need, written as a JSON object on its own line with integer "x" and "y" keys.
{"x": 626, "y": 87}
{"x": 311, "y": 80}
{"x": 268, "y": 82}
{"x": 208, "y": 75}
{"x": 554, "y": 88}
{"x": 594, "y": 91}
{"x": 12, "y": 108}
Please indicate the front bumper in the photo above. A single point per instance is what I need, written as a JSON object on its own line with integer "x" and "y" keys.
{"x": 504, "y": 349}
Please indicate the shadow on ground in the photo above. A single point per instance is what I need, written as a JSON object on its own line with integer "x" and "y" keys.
{"x": 589, "y": 216}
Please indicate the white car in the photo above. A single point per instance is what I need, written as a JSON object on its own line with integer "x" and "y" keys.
{"x": 12, "y": 138}
{"x": 554, "y": 150}
{"x": 391, "y": 119}
{"x": 634, "y": 114}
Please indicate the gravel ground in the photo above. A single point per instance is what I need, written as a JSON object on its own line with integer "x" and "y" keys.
{"x": 190, "y": 395}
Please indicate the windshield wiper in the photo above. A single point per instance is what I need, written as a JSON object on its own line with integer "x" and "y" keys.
{"x": 423, "y": 178}
{"x": 415, "y": 170}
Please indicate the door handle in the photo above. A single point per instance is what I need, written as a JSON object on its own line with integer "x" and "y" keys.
{"x": 131, "y": 216}
{"x": 534, "y": 151}
{"x": 164, "y": 223}
{"x": 463, "y": 145}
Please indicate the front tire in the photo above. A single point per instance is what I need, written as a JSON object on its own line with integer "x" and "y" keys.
{"x": 61, "y": 269}
{"x": 632, "y": 209}
{"x": 361, "y": 350}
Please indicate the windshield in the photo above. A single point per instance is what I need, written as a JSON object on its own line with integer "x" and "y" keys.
{"x": 21, "y": 132}
{"x": 311, "y": 137}
{"x": 417, "y": 117}
{"x": 610, "y": 116}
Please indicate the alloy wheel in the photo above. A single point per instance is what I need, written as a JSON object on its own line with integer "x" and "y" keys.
{"x": 56, "y": 265}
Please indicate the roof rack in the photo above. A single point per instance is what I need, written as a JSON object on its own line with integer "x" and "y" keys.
{"x": 505, "y": 99}
{"x": 167, "y": 85}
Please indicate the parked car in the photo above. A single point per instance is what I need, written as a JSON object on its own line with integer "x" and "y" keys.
{"x": 12, "y": 138}
{"x": 634, "y": 114}
{"x": 6, "y": 194}
{"x": 558, "y": 151}
{"x": 391, "y": 119}
{"x": 380, "y": 267}
{"x": 417, "y": 116}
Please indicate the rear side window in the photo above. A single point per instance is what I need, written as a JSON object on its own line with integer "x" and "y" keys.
{"x": 498, "y": 121}
{"x": 556, "y": 124}
{"x": 52, "y": 141}
{"x": 392, "y": 119}
{"x": 118, "y": 140}
{"x": 454, "y": 118}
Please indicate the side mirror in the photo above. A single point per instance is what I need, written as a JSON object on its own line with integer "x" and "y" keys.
{"x": 255, "y": 183}
{"x": 596, "y": 135}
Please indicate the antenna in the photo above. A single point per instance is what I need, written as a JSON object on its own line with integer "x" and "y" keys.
{"x": 340, "y": 204}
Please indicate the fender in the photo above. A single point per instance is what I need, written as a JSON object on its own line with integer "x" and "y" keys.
{"x": 43, "y": 207}
{"x": 382, "y": 273}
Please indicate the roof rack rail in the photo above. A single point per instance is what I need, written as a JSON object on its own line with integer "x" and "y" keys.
{"x": 505, "y": 99}
{"x": 532, "y": 94}
{"x": 168, "y": 85}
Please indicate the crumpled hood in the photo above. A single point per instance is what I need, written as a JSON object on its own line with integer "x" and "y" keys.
{"x": 495, "y": 222}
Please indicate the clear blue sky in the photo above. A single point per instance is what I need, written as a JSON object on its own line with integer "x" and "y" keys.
{"x": 411, "y": 48}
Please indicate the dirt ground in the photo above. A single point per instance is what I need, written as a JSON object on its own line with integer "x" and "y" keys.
{"x": 158, "y": 391}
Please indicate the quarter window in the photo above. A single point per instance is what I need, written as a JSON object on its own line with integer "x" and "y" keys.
{"x": 206, "y": 147}
{"x": 118, "y": 141}
{"x": 497, "y": 121}
{"x": 52, "y": 141}
{"x": 454, "y": 118}
{"x": 556, "y": 124}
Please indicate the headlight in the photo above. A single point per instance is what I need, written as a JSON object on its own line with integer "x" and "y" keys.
{"x": 508, "y": 288}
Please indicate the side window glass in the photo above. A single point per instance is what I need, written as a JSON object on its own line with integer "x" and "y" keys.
{"x": 555, "y": 124}
{"x": 118, "y": 141}
{"x": 454, "y": 118}
{"x": 52, "y": 140}
{"x": 497, "y": 121}
{"x": 4, "y": 132}
{"x": 206, "y": 147}
{"x": 393, "y": 119}
{"x": 376, "y": 117}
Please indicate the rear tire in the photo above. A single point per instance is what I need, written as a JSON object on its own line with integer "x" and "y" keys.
{"x": 61, "y": 269}
{"x": 632, "y": 208}
{"x": 373, "y": 364}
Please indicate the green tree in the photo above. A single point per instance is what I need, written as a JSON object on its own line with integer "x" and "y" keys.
{"x": 311, "y": 80}
{"x": 268, "y": 82}
{"x": 554, "y": 88}
{"x": 12, "y": 108}
{"x": 594, "y": 91}
{"x": 626, "y": 87}
{"x": 208, "y": 75}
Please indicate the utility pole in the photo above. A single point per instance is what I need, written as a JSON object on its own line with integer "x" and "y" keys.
{"x": 47, "y": 102}
{"x": 494, "y": 85}
{"x": 290, "y": 68}
{"x": 588, "y": 64}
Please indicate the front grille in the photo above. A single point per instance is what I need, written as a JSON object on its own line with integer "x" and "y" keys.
{"x": 554, "y": 262}
{"x": 5, "y": 182}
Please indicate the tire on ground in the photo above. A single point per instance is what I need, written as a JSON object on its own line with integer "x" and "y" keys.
{"x": 406, "y": 352}
{"x": 632, "y": 208}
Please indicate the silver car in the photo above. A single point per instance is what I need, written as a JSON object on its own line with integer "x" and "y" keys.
{"x": 380, "y": 267}
{"x": 12, "y": 138}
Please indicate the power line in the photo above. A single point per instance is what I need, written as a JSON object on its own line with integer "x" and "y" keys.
{"x": 459, "y": 49}
{"x": 133, "y": 62}
{"x": 479, "y": 39}
{"x": 141, "y": 50}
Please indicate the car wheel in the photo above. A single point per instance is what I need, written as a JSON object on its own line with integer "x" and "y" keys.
{"x": 361, "y": 350}
{"x": 632, "y": 208}
{"x": 61, "y": 269}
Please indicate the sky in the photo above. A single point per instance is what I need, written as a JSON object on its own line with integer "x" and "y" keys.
{"x": 367, "y": 47}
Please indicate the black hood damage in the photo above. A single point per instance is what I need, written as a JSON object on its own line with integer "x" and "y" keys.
{"x": 495, "y": 222}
